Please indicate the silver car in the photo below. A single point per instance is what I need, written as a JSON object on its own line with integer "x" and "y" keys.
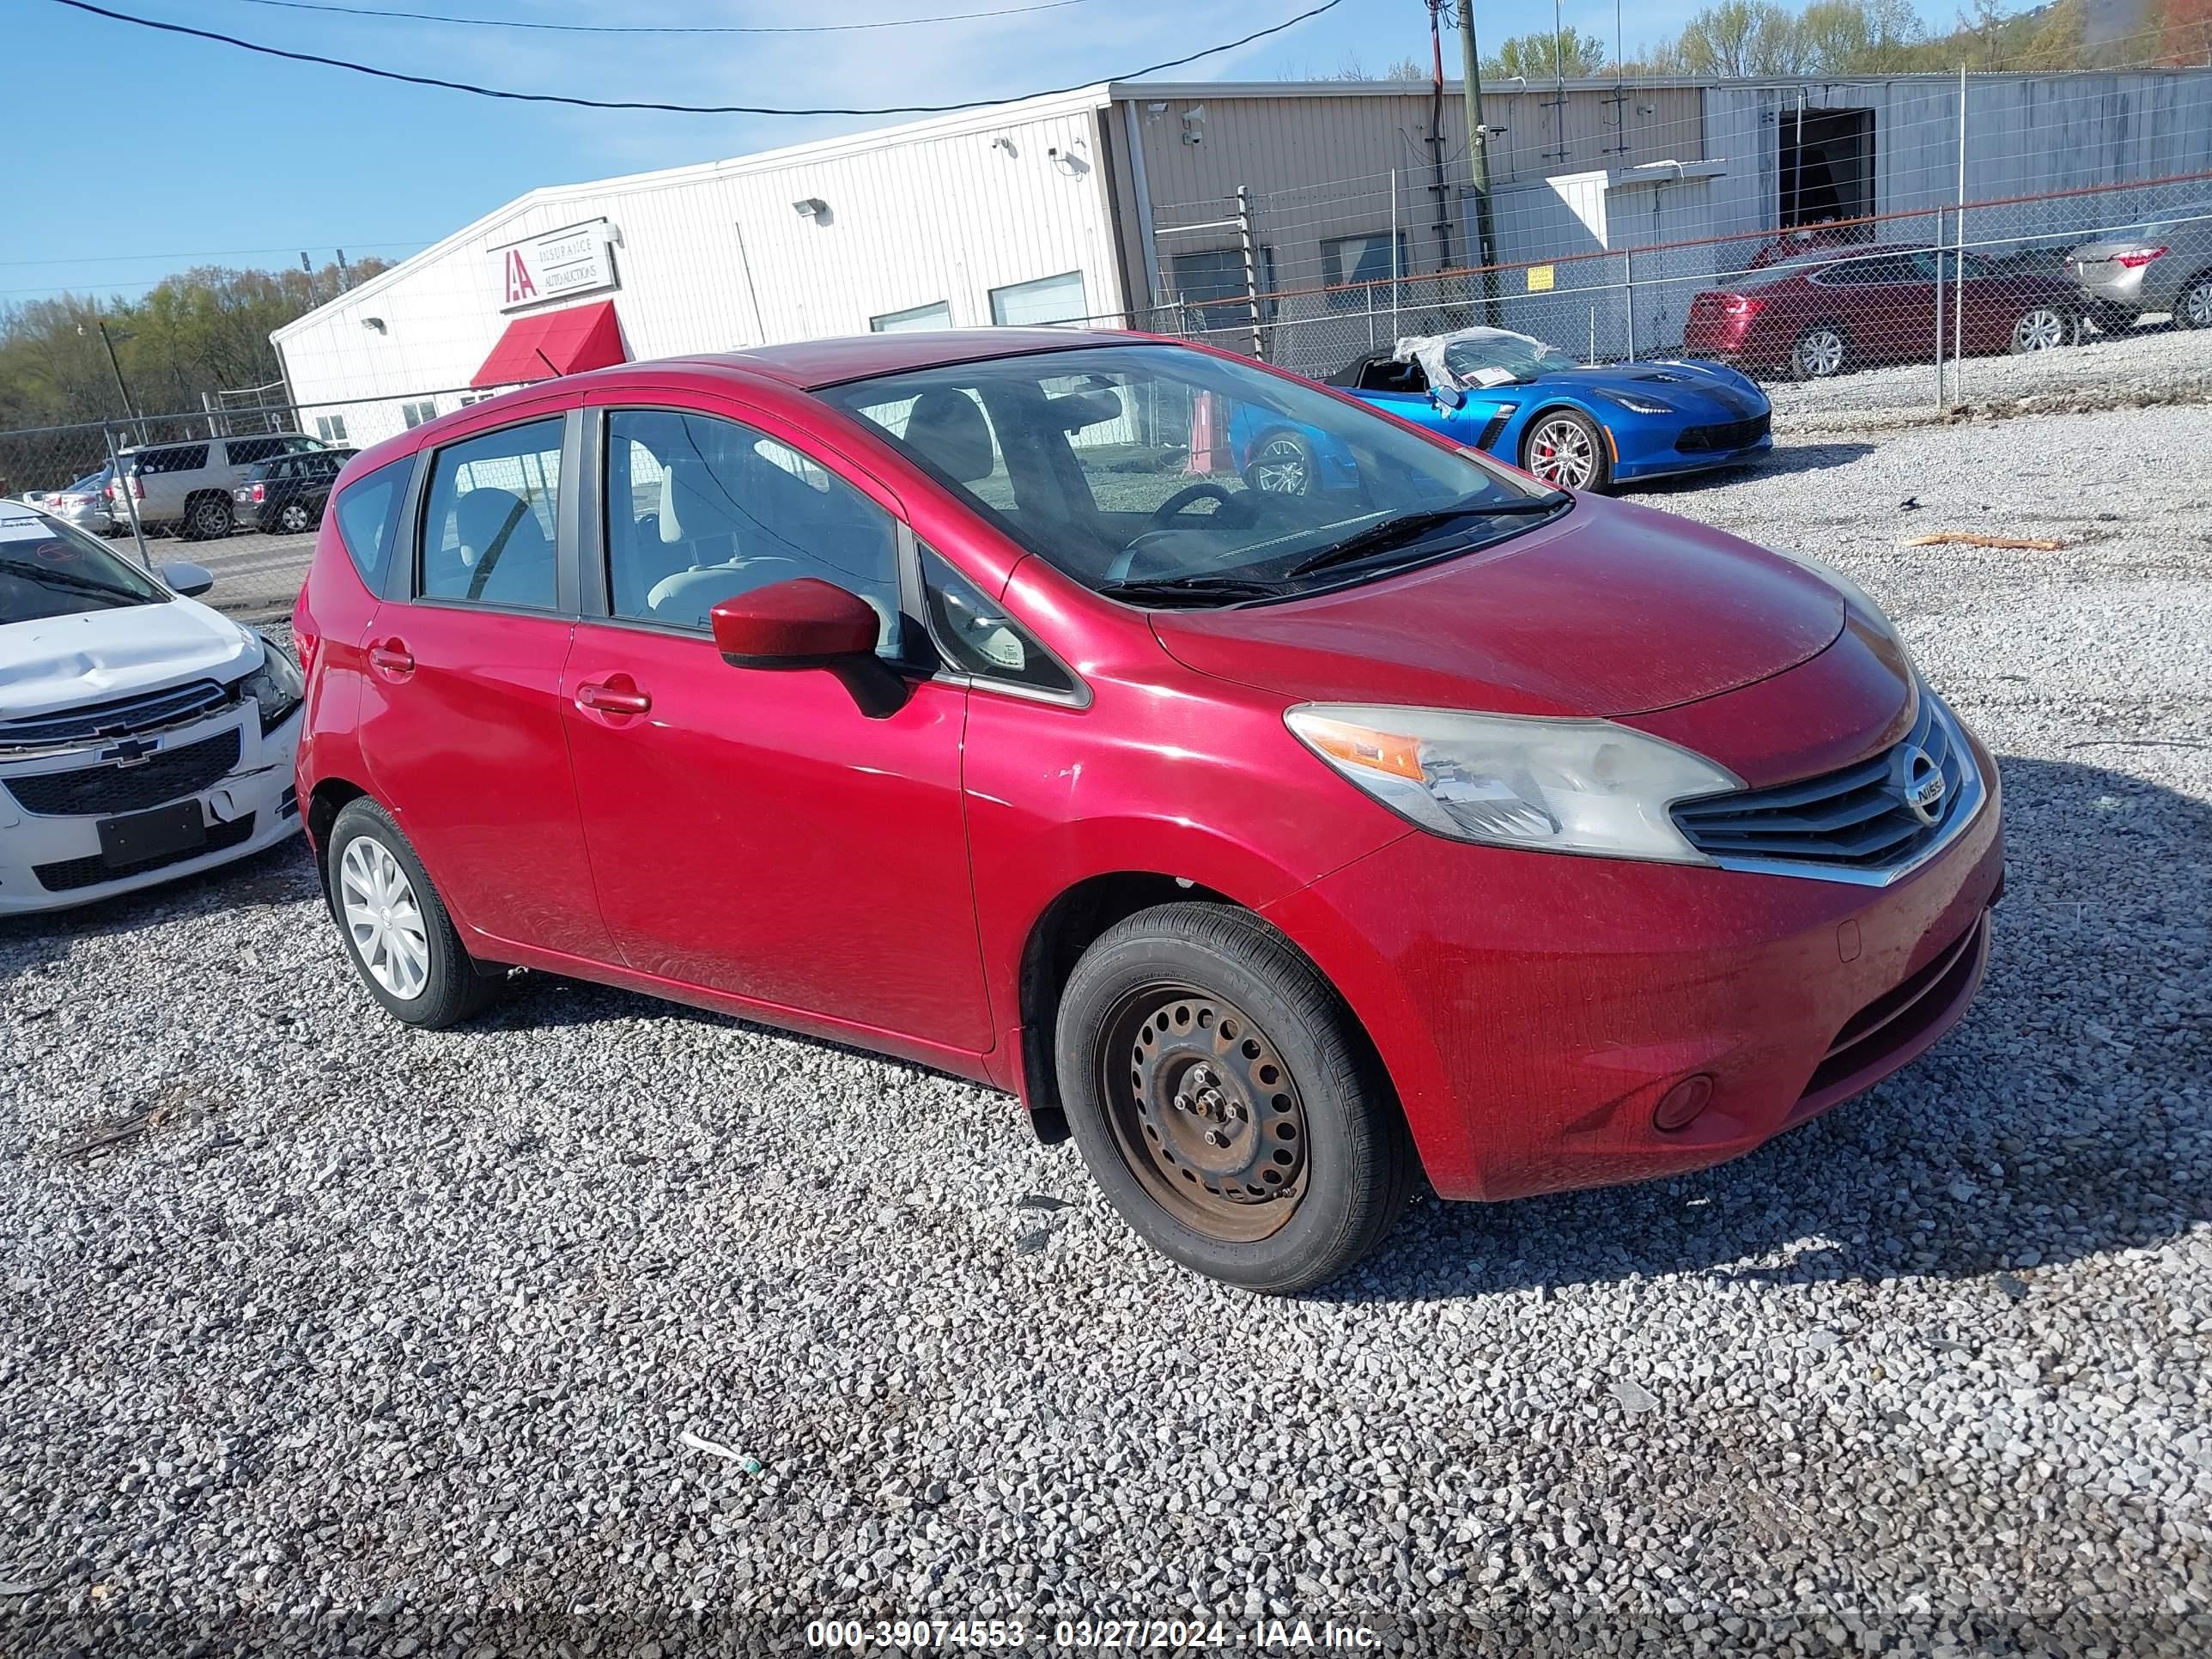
{"x": 2163, "y": 266}
{"x": 83, "y": 504}
{"x": 187, "y": 486}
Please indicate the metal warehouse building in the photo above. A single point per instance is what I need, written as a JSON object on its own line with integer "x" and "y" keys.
{"x": 1299, "y": 220}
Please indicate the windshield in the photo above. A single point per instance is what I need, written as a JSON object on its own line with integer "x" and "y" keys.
{"x": 1156, "y": 474}
{"x": 49, "y": 570}
{"x": 1482, "y": 360}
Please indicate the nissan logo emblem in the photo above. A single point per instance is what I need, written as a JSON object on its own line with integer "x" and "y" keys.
{"x": 1918, "y": 781}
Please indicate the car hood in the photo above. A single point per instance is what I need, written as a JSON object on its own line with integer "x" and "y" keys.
{"x": 52, "y": 663}
{"x": 1689, "y": 387}
{"x": 1612, "y": 610}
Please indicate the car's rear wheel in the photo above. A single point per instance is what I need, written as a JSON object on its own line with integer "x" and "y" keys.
{"x": 1225, "y": 1104}
{"x": 1566, "y": 449}
{"x": 2041, "y": 328}
{"x": 208, "y": 519}
{"x": 1282, "y": 464}
{"x": 292, "y": 519}
{"x": 2192, "y": 307}
{"x": 397, "y": 935}
{"x": 1819, "y": 352}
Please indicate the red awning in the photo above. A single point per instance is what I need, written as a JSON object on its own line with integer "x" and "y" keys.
{"x": 548, "y": 343}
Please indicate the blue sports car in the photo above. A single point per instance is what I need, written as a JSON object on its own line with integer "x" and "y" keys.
{"x": 1528, "y": 403}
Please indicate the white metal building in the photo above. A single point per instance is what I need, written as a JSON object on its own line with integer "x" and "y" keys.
{"x": 1120, "y": 198}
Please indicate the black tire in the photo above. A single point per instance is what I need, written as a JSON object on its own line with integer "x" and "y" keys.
{"x": 209, "y": 519}
{"x": 1547, "y": 450}
{"x": 1812, "y": 359}
{"x": 1347, "y": 1162}
{"x": 1283, "y": 463}
{"x": 2192, "y": 306}
{"x": 453, "y": 985}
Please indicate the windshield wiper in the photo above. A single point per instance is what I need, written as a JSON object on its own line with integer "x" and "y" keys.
{"x": 1195, "y": 588}
{"x": 47, "y": 576}
{"x": 1412, "y": 526}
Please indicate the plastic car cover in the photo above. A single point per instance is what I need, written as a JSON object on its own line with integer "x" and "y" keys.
{"x": 1428, "y": 351}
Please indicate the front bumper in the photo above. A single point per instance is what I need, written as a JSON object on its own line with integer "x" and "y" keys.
{"x": 1655, "y": 461}
{"x": 53, "y": 861}
{"x": 1533, "y": 1009}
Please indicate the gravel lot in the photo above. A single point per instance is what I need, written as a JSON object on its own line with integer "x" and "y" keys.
{"x": 402, "y": 1342}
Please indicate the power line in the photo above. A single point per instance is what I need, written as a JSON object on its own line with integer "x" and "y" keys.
{"x": 633, "y": 29}
{"x": 679, "y": 109}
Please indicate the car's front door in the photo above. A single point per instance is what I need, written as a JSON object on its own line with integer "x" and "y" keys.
{"x": 461, "y": 704}
{"x": 751, "y": 831}
{"x": 1468, "y": 422}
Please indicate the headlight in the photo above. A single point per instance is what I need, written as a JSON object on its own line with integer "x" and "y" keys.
{"x": 1553, "y": 786}
{"x": 276, "y": 685}
{"x": 1630, "y": 401}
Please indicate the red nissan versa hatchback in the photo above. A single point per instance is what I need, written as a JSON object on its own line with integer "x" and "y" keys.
{"x": 950, "y": 694}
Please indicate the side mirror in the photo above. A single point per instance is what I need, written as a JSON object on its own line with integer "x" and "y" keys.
{"x": 807, "y": 623}
{"x": 183, "y": 576}
{"x": 1448, "y": 398}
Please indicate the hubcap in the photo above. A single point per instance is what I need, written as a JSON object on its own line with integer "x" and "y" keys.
{"x": 1820, "y": 352}
{"x": 1204, "y": 1111}
{"x": 2039, "y": 329}
{"x": 1561, "y": 453}
{"x": 1279, "y": 469}
{"x": 383, "y": 919}
{"x": 2197, "y": 306}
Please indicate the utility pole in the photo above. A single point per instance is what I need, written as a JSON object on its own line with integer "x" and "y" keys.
{"x": 1478, "y": 153}
{"x": 116, "y": 364}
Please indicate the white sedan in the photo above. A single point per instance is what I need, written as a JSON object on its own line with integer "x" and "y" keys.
{"x": 143, "y": 736}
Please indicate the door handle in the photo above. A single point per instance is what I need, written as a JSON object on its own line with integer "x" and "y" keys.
{"x": 393, "y": 659}
{"x": 604, "y": 699}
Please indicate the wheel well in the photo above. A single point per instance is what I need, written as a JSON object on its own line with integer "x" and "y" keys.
{"x": 1056, "y": 943}
{"x": 1529, "y": 427}
{"x": 324, "y": 806}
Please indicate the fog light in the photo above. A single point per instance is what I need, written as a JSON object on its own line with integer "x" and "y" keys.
{"x": 1683, "y": 1103}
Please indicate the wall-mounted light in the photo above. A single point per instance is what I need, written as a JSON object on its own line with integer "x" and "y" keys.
{"x": 1068, "y": 161}
{"x": 1194, "y": 125}
{"x": 814, "y": 208}
{"x": 1005, "y": 143}
{"x": 375, "y": 323}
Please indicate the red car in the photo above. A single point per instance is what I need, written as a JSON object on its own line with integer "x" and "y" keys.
{"x": 1827, "y": 314}
{"x": 950, "y": 694}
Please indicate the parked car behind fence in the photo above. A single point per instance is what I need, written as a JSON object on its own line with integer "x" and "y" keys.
{"x": 188, "y": 487}
{"x": 2162, "y": 266}
{"x": 286, "y": 494}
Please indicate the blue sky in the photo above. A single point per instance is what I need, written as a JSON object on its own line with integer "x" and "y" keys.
{"x": 135, "y": 153}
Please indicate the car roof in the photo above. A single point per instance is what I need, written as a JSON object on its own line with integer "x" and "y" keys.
{"x": 810, "y": 365}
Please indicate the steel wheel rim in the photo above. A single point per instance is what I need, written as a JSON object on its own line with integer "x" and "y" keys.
{"x": 1204, "y": 1111}
{"x": 383, "y": 918}
{"x": 2197, "y": 306}
{"x": 207, "y": 521}
{"x": 1562, "y": 453}
{"x": 2039, "y": 329}
{"x": 1820, "y": 352}
{"x": 1279, "y": 469}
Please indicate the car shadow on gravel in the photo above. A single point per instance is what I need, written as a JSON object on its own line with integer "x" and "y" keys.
{"x": 1783, "y": 459}
{"x": 2066, "y": 1116}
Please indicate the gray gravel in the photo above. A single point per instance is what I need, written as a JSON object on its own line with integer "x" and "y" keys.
{"x": 397, "y": 1342}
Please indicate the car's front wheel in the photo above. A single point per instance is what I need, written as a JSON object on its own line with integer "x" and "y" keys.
{"x": 397, "y": 935}
{"x": 2041, "y": 328}
{"x": 1282, "y": 464}
{"x": 1566, "y": 449}
{"x": 1225, "y": 1104}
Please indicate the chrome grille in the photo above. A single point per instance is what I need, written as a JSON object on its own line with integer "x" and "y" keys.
{"x": 1856, "y": 820}
{"x": 89, "y": 722}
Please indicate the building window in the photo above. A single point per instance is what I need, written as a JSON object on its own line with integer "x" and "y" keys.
{"x": 1353, "y": 259}
{"x": 331, "y": 429}
{"x": 1216, "y": 274}
{"x": 936, "y": 314}
{"x": 415, "y": 414}
{"x": 1057, "y": 299}
{"x": 468, "y": 398}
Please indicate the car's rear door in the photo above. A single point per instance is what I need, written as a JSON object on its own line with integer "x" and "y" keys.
{"x": 753, "y": 831}
{"x": 461, "y": 718}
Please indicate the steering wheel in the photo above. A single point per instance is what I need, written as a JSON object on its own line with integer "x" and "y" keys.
{"x": 1190, "y": 494}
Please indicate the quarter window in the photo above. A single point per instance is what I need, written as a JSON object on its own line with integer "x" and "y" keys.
{"x": 701, "y": 509}
{"x": 369, "y": 514}
{"x": 489, "y": 523}
{"x": 978, "y": 637}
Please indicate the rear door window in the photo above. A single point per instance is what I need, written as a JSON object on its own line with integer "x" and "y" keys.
{"x": 489, "y": 523}
{"x": 368, "y": 518}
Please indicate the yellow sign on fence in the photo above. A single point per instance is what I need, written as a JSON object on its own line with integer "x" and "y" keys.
{"x": 1540, "y": 279}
